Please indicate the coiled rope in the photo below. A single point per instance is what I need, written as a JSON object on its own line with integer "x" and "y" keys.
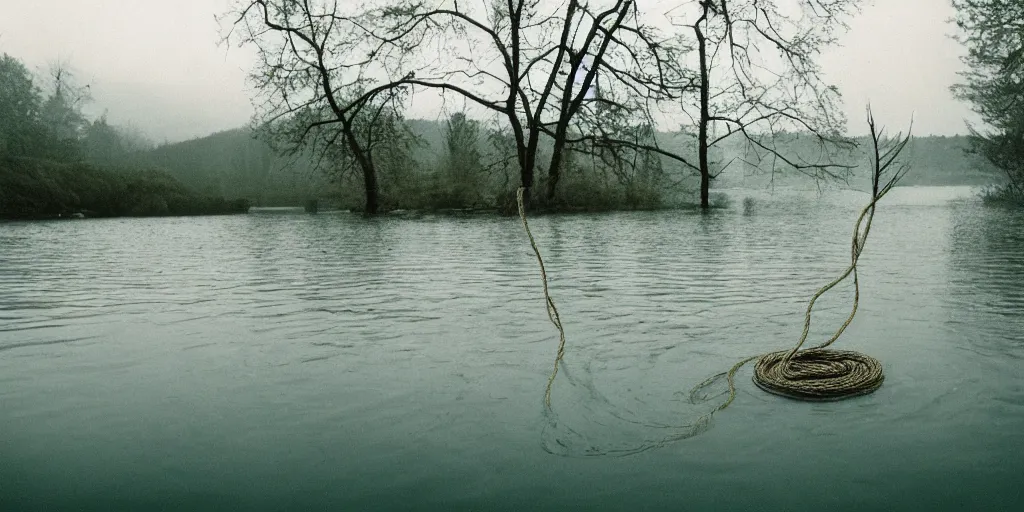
{"x": 818, "y": 374}
{"x": 552, "y": 310}
{"x": 812, "y": 374}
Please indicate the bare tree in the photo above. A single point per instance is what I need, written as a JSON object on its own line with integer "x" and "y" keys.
{"x": 532, "y": 63}
{"x": 61, "y": 112}
{"x": 557, "y": 71}
{"x": 313, "y": 75}
{"x": 758, "y": 79}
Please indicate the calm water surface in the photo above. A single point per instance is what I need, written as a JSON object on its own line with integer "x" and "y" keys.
{"x": 282, "y": 361}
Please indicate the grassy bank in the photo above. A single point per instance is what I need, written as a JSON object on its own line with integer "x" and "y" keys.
{"x": 33, "y": 188}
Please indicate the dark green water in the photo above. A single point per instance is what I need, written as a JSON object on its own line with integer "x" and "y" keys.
{"x": 291, "y": 362}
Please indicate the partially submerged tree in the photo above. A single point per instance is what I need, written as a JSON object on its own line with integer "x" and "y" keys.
{"x": 993, "y": 32}
{"x": 556, "y": 71}
{"x": 312, "y": 76}
{"x": 757, "y": 78}
{"x": 374, "y": 144}
{"x": 542, "y": 67}
{"x": 533, "y": 64}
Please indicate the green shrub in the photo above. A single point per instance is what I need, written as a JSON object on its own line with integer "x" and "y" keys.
{"x": 1008, "y": 194}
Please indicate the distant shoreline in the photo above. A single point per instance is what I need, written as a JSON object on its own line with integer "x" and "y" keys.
{"x": 37, "y": 189}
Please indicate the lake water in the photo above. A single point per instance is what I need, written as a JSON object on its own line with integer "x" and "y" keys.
{"x": 282, "y": 361}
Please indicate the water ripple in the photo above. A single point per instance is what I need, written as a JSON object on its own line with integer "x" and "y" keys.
{"x": 652, "y": 302}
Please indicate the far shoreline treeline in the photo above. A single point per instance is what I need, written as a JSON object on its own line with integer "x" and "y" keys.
{"x": 433, "y": 177}
{"x": 43, "y": 189}
{"x": 56, "y": 163}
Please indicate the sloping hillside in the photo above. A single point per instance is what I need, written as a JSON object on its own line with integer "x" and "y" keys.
{"x": 233, "y": 164}
{"x": 36, "y": 188}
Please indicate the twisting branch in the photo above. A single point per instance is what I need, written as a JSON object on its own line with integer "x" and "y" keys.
{"x": 786, "y": 374}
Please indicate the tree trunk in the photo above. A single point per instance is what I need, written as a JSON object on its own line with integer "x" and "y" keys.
{"x": 702, "y": 129}
{"x": 527, "y": 161}
{"x": 527, "y": 186}
{"x": 554, "y": 170}
{"x": 369, "y": 171}
{"x": 372, "y": 191}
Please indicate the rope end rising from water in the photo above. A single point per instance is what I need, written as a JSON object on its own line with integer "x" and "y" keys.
{"x": 818, "y": 373}
{"x": 549, "y": 304}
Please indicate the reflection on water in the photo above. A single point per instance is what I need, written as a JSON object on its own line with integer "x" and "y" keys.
{"x": 282, "y": 361}
{"x": 988, "y": 260}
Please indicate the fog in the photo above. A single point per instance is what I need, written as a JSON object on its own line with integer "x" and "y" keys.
{"x": 155, "y": 64}
{"x": 160, "y": 66}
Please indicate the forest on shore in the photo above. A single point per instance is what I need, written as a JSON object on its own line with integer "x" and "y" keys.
{"x": 441, "y": 172}
{"x": 115, "y": 172}
{"x": 55, "y": 162}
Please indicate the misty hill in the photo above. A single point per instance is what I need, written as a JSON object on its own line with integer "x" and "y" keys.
{"x": 934, "y": 160}
{"x": 234, "y": 164}
{"x": 939, "y": 160}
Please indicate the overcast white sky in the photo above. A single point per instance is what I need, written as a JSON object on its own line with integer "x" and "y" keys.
{"x": 158, "y": 65}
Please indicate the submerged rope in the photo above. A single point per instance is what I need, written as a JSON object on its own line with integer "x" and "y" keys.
{"x": 817, "y": 373}
{"x": 552, "y": 310}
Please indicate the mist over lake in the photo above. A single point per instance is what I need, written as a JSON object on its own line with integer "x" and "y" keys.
{"x": 512, "y": 255}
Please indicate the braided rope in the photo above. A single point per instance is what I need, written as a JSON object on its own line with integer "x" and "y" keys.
{"x": 552, "y": 310}
{"x": 816, "y": 373}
